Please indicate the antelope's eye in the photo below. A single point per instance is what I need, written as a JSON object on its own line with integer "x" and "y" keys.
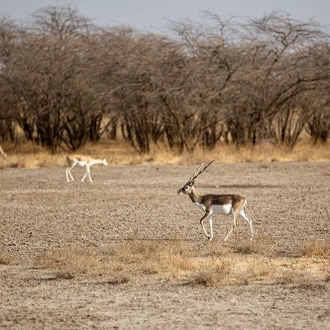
{"x": 186, "y": 187}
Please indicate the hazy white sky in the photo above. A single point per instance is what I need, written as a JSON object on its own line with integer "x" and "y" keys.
{"x": 154, "y": 14}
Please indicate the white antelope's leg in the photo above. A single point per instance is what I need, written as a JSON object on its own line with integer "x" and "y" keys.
{"x": 249, "y": 221}
{"x": 72, "y": 178}
{"x": 211, "y": 229}
{"x": 88, "y": 172}
{"x": 205, "y": 216}
{"x": 89, "y": 175}
{"x": 68, "y": 173}
{"x": 234, "y": 226}
{"x": 83, "y": 178}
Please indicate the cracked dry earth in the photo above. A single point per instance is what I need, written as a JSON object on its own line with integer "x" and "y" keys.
{"x": 288, "y": 202}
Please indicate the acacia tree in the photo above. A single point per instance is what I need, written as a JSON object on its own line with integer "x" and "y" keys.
{"x": 279, "y": 75}
{"x": 8, "y": 36}
{"x": 47, "y": 79}
{"x": 318, "y": 126}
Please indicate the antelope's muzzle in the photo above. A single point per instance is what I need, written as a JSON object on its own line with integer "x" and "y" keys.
{"x": 180, "y": 191}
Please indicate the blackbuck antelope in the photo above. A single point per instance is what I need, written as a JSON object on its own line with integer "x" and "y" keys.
{"x": 223, "y": 204}
{"x": 2, "y": 153}
{"x": 77, "y": 160}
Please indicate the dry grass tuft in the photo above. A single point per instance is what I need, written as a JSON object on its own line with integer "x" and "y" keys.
{"x": 316, "y": 248}
{"x": 215, "y": 276}
{"x": 7, "y": 259}
{"x": 215, "y": 250}
{"x": 138, "y": 257}
{"x": 258, "y": 269}
{"x": 213, "y": 265}
{"x": 236, "y": 270}
{"x": 300, "y": 279}
{"x": 244, "y": 248}
{"x": 65, "y": 275}
{"x": 72, "y": 260}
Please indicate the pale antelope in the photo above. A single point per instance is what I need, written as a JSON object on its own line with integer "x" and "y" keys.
{"x": 223, "y": 204}
{"x": 78, "y": 160}
{"x": 3, "y": 154}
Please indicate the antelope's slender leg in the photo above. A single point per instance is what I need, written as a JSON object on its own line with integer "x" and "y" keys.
{"x": 68, "y": 173}
{"x": 205, "y": 216}
{"x": 234, "y": 225}
{"x": 249, "y": 221}
{"x": 87, "y": 169}
{"x": 88, "y": 172}
{"x": 211, "y": 229}
{"x": 89, "y": 175}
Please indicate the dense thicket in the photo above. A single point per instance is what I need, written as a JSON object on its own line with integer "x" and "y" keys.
{"x": 65, "y": 81}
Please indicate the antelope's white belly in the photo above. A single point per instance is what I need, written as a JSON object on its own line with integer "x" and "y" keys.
{"x": 222, "y": 209}
{"x": 81, "y": 163}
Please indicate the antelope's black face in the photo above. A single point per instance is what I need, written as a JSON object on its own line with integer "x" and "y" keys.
{"x": 186, "y": 189}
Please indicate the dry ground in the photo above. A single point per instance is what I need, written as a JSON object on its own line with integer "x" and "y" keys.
{"x": 126, "y": 252}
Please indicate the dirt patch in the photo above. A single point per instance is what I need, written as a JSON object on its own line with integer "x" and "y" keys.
{"x": 126, "y": 252}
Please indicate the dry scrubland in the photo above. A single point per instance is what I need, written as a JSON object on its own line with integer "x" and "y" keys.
{"x": 126, "y": 252}
{"x": 31, "y": 156}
